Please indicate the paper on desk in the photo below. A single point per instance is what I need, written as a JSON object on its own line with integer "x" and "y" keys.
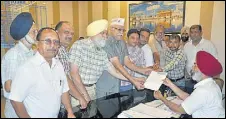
{"x": 155, "y": 80}
{"x": 151, "y": 111}
{"x": 159, "y": 104}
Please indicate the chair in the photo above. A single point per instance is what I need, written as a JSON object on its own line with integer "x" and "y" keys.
{"x": 219, "y": 82}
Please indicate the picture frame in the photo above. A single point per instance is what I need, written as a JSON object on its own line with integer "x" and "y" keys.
{"x": 171, "y": 14}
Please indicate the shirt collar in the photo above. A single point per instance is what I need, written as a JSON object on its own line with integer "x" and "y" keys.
{"x": 39, "y": 60}
{"x": 203, "y": 82}
{"x": 201, "y": 41}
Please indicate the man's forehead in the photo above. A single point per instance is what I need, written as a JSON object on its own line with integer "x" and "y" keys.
{"x": 118, "y": 26}
{"x": 67, "y": 26}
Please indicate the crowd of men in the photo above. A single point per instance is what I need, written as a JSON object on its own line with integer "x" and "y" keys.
{"x": 55, "y": 76}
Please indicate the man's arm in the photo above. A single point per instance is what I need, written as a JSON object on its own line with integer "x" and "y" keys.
{"x": 133, "y": 67}
{"x": 111, "y": 69}
{"x": 156, "y": 58}
{"x": 181, "y": 94}
{"x": 20, "y": 109}
{"x": 76, "y": 94}
{"x": 119, "y": 67}
{"x": 7, "y": 85}
{"x": 67, "y": 103}
{"x": 78, "y": 82}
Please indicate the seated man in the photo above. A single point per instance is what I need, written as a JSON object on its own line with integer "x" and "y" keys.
{"x": 206, "y": 99}
{"x": 175, "y": 61}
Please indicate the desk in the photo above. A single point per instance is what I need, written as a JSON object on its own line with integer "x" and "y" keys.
{"x": 112, "y": 105}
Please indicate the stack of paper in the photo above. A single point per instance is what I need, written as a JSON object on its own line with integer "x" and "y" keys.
{"x": 155, "y": 80}
{"x": 145, "y": 111}
{"x": 159, "y": 104}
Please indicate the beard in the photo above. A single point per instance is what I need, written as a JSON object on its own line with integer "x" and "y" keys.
{"x": 99, "y": 41}
{"x": 197, "y": 76}
{"x": 185, "y": 38}
{"x": 29, "y": 39}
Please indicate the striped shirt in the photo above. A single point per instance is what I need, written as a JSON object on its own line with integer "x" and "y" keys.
{"x": 90, "y": 59}
{"x": 136, "y": 56}
{"x": 175, "y": 64}
{"x": 63, "y": 56}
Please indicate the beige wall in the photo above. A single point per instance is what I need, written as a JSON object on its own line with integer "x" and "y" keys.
{"x": 83, "y": 17}
{"x": 66, "y": 11}
{"x": 218, "y": 33}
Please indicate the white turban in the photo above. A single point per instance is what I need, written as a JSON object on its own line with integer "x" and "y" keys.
{"x": 118, "y": 21}
{"x": 96, "y": 27}
{"x": 185, "y": 29}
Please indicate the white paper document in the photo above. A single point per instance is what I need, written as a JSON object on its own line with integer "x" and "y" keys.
{"x": 155, "y": 80}
{"x": 160, "y": 105}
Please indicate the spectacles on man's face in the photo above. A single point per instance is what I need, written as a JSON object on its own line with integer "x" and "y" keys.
{"x": 118, "y": 29}
{"x": 49, "y": 42}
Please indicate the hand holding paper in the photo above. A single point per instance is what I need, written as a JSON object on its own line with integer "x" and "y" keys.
{"x": 155, "y": 80}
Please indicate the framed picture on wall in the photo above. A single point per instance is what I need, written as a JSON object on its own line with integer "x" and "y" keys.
{"x": 170, "y": 14}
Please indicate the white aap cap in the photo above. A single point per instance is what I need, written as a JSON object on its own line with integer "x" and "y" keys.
{"x": 96, "y": 27}
{"x": 118, "y": 21}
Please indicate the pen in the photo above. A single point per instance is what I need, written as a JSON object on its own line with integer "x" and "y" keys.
{"x": 60, "y": 82}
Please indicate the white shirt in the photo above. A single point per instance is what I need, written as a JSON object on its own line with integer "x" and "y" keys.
{"x": 11, "y": 61}
{"x": 40, "y": 86}
{"x": 205, "y": 100}
{"x": 15, "y": 57}
{"x": 148, "y": 55}
{"x": 190, "y": 51}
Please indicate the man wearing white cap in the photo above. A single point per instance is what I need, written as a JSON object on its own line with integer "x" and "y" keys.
{"x": 118, "y": 54}
{"x": 88, "y": 59}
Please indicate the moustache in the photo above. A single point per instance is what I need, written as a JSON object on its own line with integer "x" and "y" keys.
{"x": 69, "y": 38}
{"x": 51, "y": 50}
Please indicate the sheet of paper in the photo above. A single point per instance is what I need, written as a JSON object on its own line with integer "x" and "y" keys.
{"x": 133, "y": 114}
{"x": 160, "y": 105}
{"x": 155, "y": 80}
{"x": 151, "y": 111}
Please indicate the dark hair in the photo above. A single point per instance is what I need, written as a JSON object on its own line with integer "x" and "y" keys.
{"x": 133, "y": 31}
{"x": 145, "y": 29}
{"x": 81, "y": 38}
{"x": 41, "y": 30}
{"x": 174, "y": 36}
{"x": 196, "y": 26}
{"x": 59, "y": 24}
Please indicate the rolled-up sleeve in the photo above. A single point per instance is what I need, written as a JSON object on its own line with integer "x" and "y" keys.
{"x": 75, "y": 53}
{"x": 109, "y": 49}
{"x": 194, "y": 102}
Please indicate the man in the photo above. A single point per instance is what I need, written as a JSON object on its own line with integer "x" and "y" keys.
{"x": 143, "y": 44}
{"x": 66, "y": 33}
{"x": 40, "y": 84}
{"x": 136, "y": 55}
{"x": 206, "y": 100}
{"x": 118, "y": 55}
{"x": 196, "y": 44}
{"x": 184, "y": 36}
{"x": 22, "y": 29}
{"x": 88, "y": 59}
{"x": 175, "y": 61}
{"x": 158, "y": 46}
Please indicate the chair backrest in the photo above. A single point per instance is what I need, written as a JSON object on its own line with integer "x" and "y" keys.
{"x": 219, "y": 82}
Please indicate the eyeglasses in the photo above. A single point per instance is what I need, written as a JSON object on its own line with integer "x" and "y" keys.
{"x": 49, "y": 42}
{"x": 120, "y": 30}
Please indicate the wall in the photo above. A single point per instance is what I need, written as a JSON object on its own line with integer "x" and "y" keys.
{"x": 218, "y": 33}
